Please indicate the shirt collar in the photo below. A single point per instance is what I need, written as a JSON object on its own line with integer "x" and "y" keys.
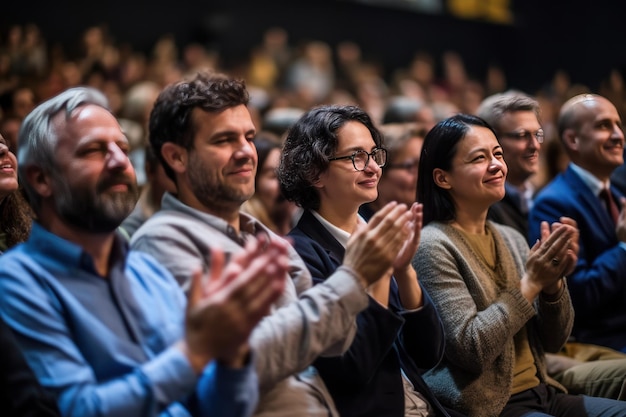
{"x": 249, "y": 226}
{"x": 589, "y": 179}
{"x": 68, "y": 254}
{"x": 341, "y": 235}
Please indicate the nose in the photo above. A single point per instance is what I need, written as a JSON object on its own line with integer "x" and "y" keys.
{"x": 117, "y": 157}
{"x": 534, "y": 142}
{"x": 372, "y": 166}
{"x": 617, "y": 131}
{"x": 245, "y": 149}
{"x": 496, "y": 164}
{"x": 4, "y": 149}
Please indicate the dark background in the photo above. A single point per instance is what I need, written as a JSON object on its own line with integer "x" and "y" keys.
{"x": 585, "y": 38}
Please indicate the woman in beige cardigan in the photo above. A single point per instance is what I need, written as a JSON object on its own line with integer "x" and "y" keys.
{"x": 502, "y": 304}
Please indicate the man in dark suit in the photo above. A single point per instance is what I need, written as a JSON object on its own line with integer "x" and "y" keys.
{"x": 591, "y": 131}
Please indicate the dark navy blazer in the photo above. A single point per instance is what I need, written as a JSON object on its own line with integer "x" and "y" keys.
{"x": 598, "y": 284}
{"x": 366, "y": 380}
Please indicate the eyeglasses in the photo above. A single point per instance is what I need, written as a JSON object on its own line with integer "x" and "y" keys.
{"x": 525, "y": 135}
{"x": 412, "y": 165}
{"x": 361, "y": 158}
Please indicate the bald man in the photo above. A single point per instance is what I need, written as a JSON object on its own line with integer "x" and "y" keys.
{"x": 590, "y": 129}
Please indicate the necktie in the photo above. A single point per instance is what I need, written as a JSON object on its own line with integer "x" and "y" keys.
{"x": 611, "y": 206}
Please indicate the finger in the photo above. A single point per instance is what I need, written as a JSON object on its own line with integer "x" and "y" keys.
{"x": 242, "y": 260}
{"x": 544, "y": 230}
{"x": 255, "y": 276}
{"x": 196, "y": 291}
{"x": 217, "y": 265}
{"x": 265, "y": 295}
{"x": 385, "y": 228}
{"x": 569, "y": 221}
{"x": 381, "y": 214}
{"x": 418, "y": 221}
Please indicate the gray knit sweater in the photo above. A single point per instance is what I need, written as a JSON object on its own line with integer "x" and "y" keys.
{"x": 482, "y": 311}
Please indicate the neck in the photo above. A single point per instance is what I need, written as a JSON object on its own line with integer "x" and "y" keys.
{"x": 471, "y": 222}
{"x": 98, "y": 245}
{"x": 346, "y": 219}
{"x": 227, "y": 212}
{"x": 601, "y": 173}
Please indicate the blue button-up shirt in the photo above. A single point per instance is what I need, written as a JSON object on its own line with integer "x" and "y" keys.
{"x": 105, "y": 345}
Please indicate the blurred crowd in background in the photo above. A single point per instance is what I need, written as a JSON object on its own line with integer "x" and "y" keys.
{"x": 284, "y": 79}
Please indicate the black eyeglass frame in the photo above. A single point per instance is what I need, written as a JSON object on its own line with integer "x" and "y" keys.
{"x": 367, "y": 161}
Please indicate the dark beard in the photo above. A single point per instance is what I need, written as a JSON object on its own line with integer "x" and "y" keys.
{"x": 96, "y": 210}
{"x": 215, "y": 196}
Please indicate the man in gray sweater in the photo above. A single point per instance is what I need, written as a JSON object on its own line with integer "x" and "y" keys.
{"x": 203, "y": 132}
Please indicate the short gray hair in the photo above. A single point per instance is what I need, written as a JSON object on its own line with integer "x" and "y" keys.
{"x": 37, "y": 138}
{"x": 494, "y": 107}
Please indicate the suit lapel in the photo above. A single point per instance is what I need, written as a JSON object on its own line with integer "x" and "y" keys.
{"x": 316, "y": 231}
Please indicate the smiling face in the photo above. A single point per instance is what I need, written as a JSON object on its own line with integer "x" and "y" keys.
{"x": 341, "y": 187}
{"x": 597, "y": 144}
{"x": 521, "y": 154}
{"x": 8, "y": 170}
{"x": 476, "y": 179}
{"x": 399, "y": 181}
{"x": 268, "y": 188}
{"x": 221, "y": 166}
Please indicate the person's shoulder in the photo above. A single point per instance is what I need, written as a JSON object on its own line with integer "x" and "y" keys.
{"x": 435, "y": 230}
{"x": 17, "y": 259}
{"x": 166, "y": 224}
{"x": 555, "y": 189}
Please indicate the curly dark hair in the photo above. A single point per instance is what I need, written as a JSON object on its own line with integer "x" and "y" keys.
{"x": 170, "y": 118}
{"x": 309, "y": 144}
{"x": 17, "y": 218}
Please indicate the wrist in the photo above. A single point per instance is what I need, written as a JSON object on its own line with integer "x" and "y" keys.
{"x": 196, "y": 361}
{"x": 239, "y": 360}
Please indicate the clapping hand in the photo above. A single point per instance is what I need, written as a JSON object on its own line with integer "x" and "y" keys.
{"x": 225, "y": 306}
{"x": 553, "y": 256}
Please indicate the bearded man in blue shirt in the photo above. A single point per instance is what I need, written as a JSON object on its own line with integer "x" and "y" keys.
{"x": 107, "y": 329}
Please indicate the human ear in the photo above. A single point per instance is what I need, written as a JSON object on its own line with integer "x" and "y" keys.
{"x": 570, "y": 139}
{"x": 175, "y": 156}
{"x": 39, "y": 181}
{"x": 441, "y": 178}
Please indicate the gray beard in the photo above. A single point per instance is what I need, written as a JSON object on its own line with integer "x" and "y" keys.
{"x": 95, "y": 211}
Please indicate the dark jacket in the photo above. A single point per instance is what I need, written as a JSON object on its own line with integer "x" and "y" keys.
{"x": 366, "y": 380}
{"x": 598, "y": 283}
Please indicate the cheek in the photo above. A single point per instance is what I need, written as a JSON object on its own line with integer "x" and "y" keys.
{"x": 403, "y": 180}
{"x": 268, "y": 188}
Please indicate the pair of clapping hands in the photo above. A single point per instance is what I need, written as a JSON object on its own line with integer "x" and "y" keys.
{"x": 551, "y": 258}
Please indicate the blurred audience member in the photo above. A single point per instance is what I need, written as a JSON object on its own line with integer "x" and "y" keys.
{"x": 268, "y": 204}
{"x": 398, "y": 181}
{"x": 151, "y": 193}
{"x": 15, "y": 215}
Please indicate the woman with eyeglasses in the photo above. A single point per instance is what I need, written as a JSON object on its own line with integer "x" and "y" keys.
{"x": 398, "y": 181}
{"x": 331, "y": 164}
